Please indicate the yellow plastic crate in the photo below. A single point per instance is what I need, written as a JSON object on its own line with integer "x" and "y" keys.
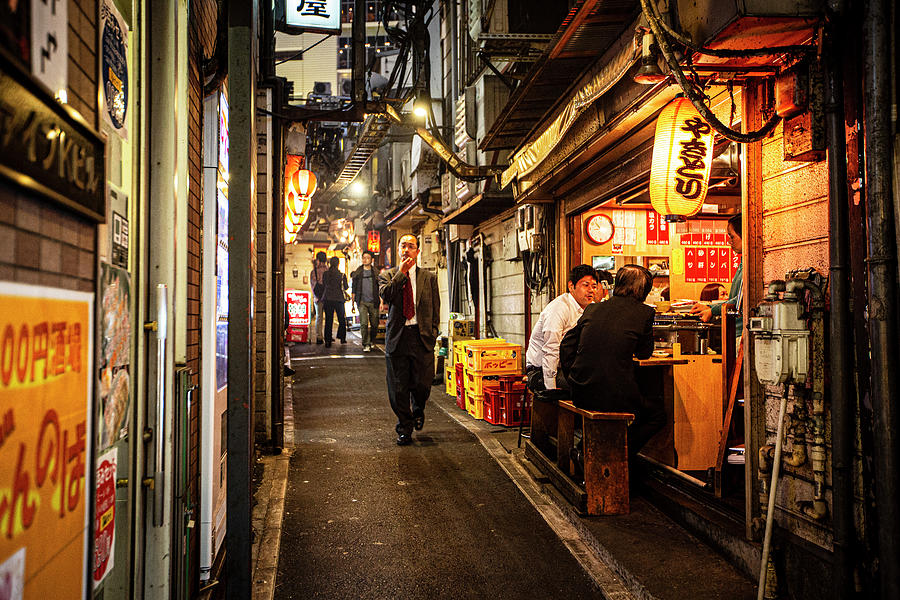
{"x": 477, "y": 381}
{"x": 475, "y": 406}
{"x": 450, "y": 380}
{"x": 461, "y": 347}
{"x": 497, "y": 357}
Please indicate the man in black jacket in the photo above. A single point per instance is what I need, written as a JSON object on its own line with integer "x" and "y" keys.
{"x": 414, "y": 314}
{"x": 597, "y": 355}
{"x": 364, "y": 293}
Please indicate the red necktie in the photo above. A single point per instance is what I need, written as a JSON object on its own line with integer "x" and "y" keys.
{"x": 409, "y": 303}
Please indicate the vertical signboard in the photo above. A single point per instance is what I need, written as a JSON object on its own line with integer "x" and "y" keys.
{"x": 45, "y": 440}
{"x": 105, "y": 516}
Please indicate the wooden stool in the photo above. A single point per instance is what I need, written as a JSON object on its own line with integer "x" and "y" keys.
{"x": 543, "y": 425}
{"x": 605, "y": 456}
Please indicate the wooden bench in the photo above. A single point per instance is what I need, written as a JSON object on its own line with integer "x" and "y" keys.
{"x": 605, "y": 445}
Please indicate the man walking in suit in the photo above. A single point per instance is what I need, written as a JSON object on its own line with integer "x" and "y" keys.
{"x": 414, "y": 311}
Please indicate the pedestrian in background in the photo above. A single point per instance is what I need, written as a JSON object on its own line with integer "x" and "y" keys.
{"x": 414, "y": 315}
{"x": 335, "y": 287}
{"x": 317, "y": 283}
{"x": 365, "y": 295}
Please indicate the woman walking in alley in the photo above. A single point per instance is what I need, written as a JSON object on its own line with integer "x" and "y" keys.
{"x": 335, "y": 287}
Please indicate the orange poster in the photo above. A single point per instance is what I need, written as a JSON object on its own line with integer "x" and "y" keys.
{"x": 45, "y": 440}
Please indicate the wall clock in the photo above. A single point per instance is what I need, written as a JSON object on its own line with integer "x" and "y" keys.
{"x": 599, "y": 229}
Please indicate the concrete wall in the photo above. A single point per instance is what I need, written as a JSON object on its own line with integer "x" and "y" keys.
{"x": 793, "y": 193}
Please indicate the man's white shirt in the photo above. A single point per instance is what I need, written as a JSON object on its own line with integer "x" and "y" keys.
{"x": 556, "y": 319}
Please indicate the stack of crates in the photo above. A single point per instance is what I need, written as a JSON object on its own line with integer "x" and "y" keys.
{"x": 486, "y": 361}
{"x": 459, "y": 331}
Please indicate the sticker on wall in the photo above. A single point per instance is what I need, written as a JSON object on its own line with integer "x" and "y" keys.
{"x": 114, "y": 68}
{"x": 105, "y": 516}
{"x": 676, "y": 263}
{"x": 115, "y": 354}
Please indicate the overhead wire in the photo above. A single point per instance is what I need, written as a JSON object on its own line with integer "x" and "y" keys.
{"x": 691, "y": 92}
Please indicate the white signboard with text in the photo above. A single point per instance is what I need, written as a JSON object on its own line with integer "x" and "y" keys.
{"x": 50, "y": 43}
{"x": 313, "y": 15}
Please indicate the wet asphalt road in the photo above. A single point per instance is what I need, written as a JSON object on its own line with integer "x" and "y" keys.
{"x": 365, "y": 518}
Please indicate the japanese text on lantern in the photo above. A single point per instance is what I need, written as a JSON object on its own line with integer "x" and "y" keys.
{"x": 45, "y": 438}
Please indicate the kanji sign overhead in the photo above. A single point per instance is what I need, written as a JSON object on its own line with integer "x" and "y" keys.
{"x": 313, "y": 15}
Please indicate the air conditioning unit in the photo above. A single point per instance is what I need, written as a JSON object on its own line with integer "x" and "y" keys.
{"x": 427, "y": 257}
{"x": 322, "y": 88}
{"x": 346, "y": 88}
{"x": 449, "y": 201}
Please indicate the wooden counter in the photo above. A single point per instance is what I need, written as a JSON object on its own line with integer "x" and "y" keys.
{"x": 690, "y": 388}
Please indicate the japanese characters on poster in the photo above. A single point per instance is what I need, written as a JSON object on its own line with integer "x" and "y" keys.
{"x": 45, "y": 439}
{"x": 105, "y": 516}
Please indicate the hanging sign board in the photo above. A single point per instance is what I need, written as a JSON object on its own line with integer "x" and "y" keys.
{"x": 45, "y": 439}
{"x": 373, "y": 242}
{"x": 298, "y": 16}
{"x": 46, "y": 148}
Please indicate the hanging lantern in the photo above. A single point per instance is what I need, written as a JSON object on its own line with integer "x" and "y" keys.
{"x": 289, "y": 225}
{"x": 305, "y": 182}
{"x": 299, "y": 186}
{"x": 289, "y": 237}
{"x": 682, "y": 159}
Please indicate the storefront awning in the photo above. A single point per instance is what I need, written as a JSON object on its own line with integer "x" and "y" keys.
{"x": 588, "y": 30}
{"x": 480, "y": 208}
{"x": 616, "y": 63}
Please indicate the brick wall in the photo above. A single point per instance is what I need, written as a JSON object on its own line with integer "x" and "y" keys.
{"x": 43, "y": 244}
{"x": 82, "y": 88}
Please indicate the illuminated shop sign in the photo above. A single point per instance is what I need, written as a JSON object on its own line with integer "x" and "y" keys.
{"x": 47, "y": 147}
{"x": 311, "y": 15}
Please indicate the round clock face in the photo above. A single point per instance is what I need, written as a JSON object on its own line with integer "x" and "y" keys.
{"x": 599, "y": 229}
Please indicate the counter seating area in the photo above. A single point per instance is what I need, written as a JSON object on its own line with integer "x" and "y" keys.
{"x": 700, "y": 396}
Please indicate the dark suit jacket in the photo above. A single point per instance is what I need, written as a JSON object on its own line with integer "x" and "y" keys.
{"x": 428, "y": 306}
{"x": 597, "y": 354}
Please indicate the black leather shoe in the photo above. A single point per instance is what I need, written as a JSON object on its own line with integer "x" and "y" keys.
{"x": 404, "y": 439}
{"x": 419, "y": 423}
{"x": 318, "y": 342}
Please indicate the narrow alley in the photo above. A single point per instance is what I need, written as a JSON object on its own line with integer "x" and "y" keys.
{"x": 365, "y": 518}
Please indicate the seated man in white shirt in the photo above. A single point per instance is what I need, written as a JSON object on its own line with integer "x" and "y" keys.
{"x": 542, "y": 358}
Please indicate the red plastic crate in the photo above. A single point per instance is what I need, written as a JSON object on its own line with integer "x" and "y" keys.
{"x": 460, "y": 388}
{"x": 515, "y": 408}
{"x": 492, "y": 406}
{"x": 511, "y": 383}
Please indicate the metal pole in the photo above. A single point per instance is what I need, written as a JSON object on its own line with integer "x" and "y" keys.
{"x": 841, "y": 338}
{"x": 359, "y": 52}
{"x": 242, "y": 75}
{"x": 882, "y": 257}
